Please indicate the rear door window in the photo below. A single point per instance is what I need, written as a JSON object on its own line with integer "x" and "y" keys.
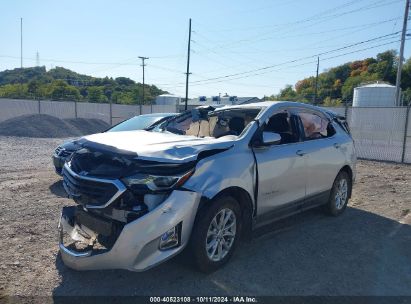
{"x": 315, "y": 126}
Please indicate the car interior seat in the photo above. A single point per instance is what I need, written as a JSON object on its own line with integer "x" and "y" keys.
{"x": 279, "y": 124}
{"x": 235, "y": 126}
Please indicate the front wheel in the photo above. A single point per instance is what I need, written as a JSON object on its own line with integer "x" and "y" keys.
{"x": 339, "y": 194}
{"x": 215, "y": 234}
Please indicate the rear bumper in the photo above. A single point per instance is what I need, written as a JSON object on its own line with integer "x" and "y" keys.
{"x": 137, "y": 247}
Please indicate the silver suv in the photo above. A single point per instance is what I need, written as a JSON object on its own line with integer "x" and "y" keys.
{"x": 202, "y": 181}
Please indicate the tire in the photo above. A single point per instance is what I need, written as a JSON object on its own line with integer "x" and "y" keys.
{"x": 205, "y": 239}
{"x": 339, "y": 195}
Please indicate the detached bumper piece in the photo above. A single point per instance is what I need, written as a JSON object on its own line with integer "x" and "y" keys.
{"x": 89, "y": 242}
{"x": 82, "y": 233}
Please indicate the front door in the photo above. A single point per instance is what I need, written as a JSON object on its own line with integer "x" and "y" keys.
{"x": 281, "y": 167}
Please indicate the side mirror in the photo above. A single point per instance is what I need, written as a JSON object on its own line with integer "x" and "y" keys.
{"x": 270, "y": 138}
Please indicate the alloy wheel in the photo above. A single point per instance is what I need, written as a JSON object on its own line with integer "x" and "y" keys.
{"x": 341, "y": 194}
{"x": 221, "y": 235}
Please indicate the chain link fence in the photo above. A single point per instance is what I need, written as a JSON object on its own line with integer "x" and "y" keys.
{"x": 380, "y": 133}
{"x": 110, "y": 113}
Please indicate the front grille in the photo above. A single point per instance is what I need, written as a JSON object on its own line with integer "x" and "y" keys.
{"x": 65, "y": 153}
{"x": 60, "y": 151}
{"x": 89, "y": 191}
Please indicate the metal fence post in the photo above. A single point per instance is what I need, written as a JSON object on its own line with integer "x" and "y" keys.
{"x": 141, "y": 109}
{"x": 346, "y": 110}
{"x": 39, "y": 106}
{"x": 75, "y": 108}
{"x": 404, "y": 142}
{"x": 111, "y": 113}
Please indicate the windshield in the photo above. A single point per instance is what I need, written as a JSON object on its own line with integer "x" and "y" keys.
{"x": 209, "y": 123}
{"x": 136, "y": 123}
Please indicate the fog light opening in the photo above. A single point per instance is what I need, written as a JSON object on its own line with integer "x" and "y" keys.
{"x": 171, "y": 238}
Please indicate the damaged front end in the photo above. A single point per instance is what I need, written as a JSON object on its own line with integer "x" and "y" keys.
{"x": 130, "y": 214}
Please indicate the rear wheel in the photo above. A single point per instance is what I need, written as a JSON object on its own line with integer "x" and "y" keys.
{"x": 215, "y": 234}
{"x": 339, "y": 194}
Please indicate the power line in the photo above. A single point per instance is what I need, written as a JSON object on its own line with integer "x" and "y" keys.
{"x": 261, "y": 72}
{"x": 315, "y": 17}
{"x": 316, "y": 43}
{"x": 299, "y": 59}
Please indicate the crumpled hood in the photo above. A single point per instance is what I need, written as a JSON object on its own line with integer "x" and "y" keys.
{"x": 157, "y": 146}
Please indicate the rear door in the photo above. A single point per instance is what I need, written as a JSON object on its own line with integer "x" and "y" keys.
{"x": 324, "y": 156}
{"x": 281, "y": 167}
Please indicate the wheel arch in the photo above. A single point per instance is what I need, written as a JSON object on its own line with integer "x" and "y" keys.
{"x": 246, "y": 206}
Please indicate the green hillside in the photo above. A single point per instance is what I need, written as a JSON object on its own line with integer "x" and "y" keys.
{"x": 336, "y": 85}
{"x": 63, "y": 84}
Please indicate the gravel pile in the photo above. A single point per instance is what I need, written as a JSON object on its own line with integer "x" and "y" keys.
{"x": 46, "y": 126}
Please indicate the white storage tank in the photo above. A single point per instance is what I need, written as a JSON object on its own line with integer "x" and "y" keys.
{"x": 374, "y": 95}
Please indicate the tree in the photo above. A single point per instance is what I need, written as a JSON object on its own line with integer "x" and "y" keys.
{"x": 339, "y": 82}
{"x": 96, "y": 94}
{"x": 60, "y": 83}
{"x": 61, "y": 90}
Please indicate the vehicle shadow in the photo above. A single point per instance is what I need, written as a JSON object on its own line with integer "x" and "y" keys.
{"x": 358, "y": 253}
{"x": 57, "y": 189}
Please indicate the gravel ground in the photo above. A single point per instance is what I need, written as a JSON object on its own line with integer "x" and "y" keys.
{"x": 366, "y": 251}
{"x": 47, "y": 126}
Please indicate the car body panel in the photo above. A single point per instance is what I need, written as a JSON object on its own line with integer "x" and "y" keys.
{"x": 67, "y": 148}
{"x": 278, "y": 179}
{"x": 157, "y": 146}
{"x": 136, "y": 248}
{"x": 282, "y": 176}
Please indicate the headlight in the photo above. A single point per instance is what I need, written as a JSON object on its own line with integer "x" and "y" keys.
{"x": 156, "y": 183}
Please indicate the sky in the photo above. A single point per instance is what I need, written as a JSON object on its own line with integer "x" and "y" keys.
{"x": 238, "y": 47}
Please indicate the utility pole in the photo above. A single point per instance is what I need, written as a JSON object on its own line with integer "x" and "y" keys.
{"x": 143, "y": 65}
{"x": 316, "y": 82}
{"x": 21, "y": 42}
{"x": 401, "y": 58}
{"x": 188, "y": 63}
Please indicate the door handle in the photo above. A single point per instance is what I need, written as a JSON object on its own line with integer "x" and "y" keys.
{"x": 300, "y": 153}
{"x": 337, "y": 146}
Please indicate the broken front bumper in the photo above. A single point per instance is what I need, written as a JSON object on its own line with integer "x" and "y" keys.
{"x": 137, "y": 246}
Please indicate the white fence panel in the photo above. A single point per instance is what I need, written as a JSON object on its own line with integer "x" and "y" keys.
{"x": 378, "y": 132}
{"x": 123, "y": 112}
{"x": 165, "y": 109}
{"x": 94, "y": 110}
{"x": 146, "y": 109}
{"x": 60, "y": 109}
{"x": 10, "y": 108}
{"x": 407, "y": 154}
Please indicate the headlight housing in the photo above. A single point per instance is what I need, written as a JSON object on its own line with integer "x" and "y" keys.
{"x": 156, "y": 182}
